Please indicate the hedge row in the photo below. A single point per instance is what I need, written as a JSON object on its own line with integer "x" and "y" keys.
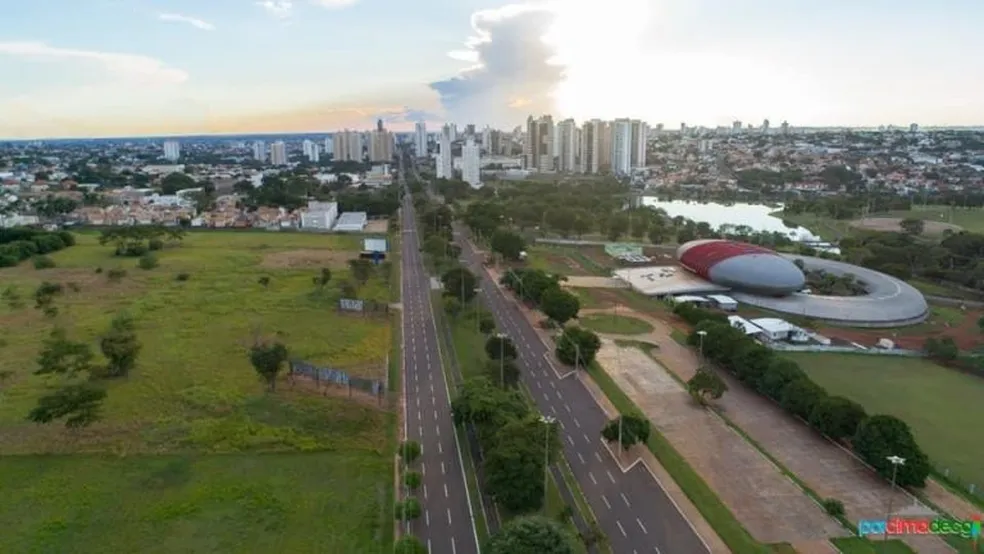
{"x": 19, "y": 244}
{"x": 873, "y": 438}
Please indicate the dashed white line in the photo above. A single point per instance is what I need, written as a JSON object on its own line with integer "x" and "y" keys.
{"x": 567, "y": 407}
{"x": 423, "y": 468}
{"x": 597, "y": 456}
{"x": 442, "y": 468}
{"x": 435, "y": 415}
{"x": 453, "y": 549}
{"x": 449, "y": 516}
{"x": 553, "y": 385}
{"x": 641, "y": 526}
{"x": 445, "y": 490}
{"x": 440, "y": 448}
{"x": 610, "y": 477}
{"x": 425, "y": 492}
{"x": 593, "y": 480}
{"x": 620, "y": 528}
{"x": 586, "y": 437}
{"x": 580, "y": 457}
{"x": 420, "y": 431}
{"x": 626, "y": 500}
{"x": 570, "y": 440}
{"x": 427, "y": 518}
{"x": 605, "y": 500}
{"x": 558, "y": 395}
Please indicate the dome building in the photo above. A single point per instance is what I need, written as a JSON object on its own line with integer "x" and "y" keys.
{"x": 741, "y": 266}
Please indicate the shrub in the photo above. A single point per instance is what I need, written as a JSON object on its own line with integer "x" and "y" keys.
{"x": 409, "y": 544}
{"x": 43, "y": 262}
{"x": 116, "y": 274}
{"x": 834, "y": 507}
{"x": 6, "y": 260}
{"x": 412, "y": 480}
{"x": 800, "y": 396}
{"x": 837, "y": 417}
{"x": 410, "y": 451}
{"x": 147, "y": 261}
{"x": 881, "y": 436}
{"x": 408, "y": 509}
{"x": 182, "y": 276}
{"x": 74, "y": 287}
{"x": 99, "y": 269}
{"x": 155, "y": 244}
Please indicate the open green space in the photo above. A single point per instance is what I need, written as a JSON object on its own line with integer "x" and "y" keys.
{"x": 731, "y": 531}
{"x": 782, "y": 548}
{"x": 199, "y": 456}
{"x": 858, "y": 545}
{"x": 970, "y": 219}
{"x": 615, "y": 324}
{"x": 939, "y": 404}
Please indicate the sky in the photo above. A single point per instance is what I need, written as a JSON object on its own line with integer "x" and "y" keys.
{"x": 71, "y": 68}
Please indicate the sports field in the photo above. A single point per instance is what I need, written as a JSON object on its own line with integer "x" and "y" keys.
{"x": 192, "y": 454}
{"x": 942, "y": 406}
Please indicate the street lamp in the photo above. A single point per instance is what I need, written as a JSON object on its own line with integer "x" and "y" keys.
{"x": 548, "y": 421}
{"x": 701, "y": 334}
{"x": 896, "y": 462}
{"x": 502, "y": 358}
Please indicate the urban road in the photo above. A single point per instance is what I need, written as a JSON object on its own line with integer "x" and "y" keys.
{"x": 632, "y": 508}
{"x": 446, "y": 524}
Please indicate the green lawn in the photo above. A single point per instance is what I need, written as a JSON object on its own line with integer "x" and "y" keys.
{"x": 858, "y": 545}
{"x": 194, "y": 392}
{"x": 615, "y": 324}
{"x": 939, "y": 404}
{"x": 967, "y": 218}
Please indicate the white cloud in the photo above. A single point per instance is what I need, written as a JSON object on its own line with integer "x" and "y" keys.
{"x": 280, "y": 9}
{"x": 193, "y": 21}
{"x": 130, "y": 68}
{"x": 334, "y": 3}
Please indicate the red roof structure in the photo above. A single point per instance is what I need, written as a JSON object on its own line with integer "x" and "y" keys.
{"x": 700, "y": 258}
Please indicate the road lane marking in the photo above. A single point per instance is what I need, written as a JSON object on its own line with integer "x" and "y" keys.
{"x": 427, "y": 518}
{"x": 445, "y": 490}
{"x": 423, "y": 469}
{"x": 567, "y": 407}
{"x": 593, "y": 480}
{"x": 435, "y": 415}
{"x": 626, "y": 500}
{"x": 438, "y": 429}
{"x": 418, "y": 405}
{"x": 442, "y": 469}
{"x": 420, "y": 431}
{"x": 537, "y": 384}
{"x": 620, "y": 528}
{"x": 641, "y": 526}
{"x": 440, "y": 449}
{"x": 597, "y": 456}
{"x": 553, "y": 385}
{"x": 453, "y": 549}
{"x": 570, "y": 440}
{"x": 586, "y": 437}
{"x": 580, "y": 457}
{"x": 418, "y": 415}
{"x": 577, "y": 423}
{"x": 605, "y": 500}
{"x": 558, "y": 395}
{"x": 449, "y": 516}
{"x": 610, "y": 477}
{"x": 425, "y": 492}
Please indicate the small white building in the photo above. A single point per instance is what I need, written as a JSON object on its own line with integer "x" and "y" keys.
{"x": 687, "y": 298}
{"x": 743, "y": 324}
{"x": 319, "y": 216}
{"x": 722, "y": 302}
{"x": 774, "y": 328}
{"x": 352, "y": 222}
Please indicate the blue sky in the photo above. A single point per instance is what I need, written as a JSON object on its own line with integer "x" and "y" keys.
{"x": 127, "y": 67}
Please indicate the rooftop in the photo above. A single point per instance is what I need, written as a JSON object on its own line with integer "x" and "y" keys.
{"x": 665, "y": 280}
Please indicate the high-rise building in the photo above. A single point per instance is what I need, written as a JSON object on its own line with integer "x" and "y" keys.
{"x": 736, "y": 127}
{"x": 785, "y": 127}
{"x": 470, "y": 130}
{"x": 347, "y": 146}
{"x": 471, "y": 169}
{"x": 765, "y": 126}
{"x": 621, "y": 146}
{"x": 589, "y": 147}
{"x": 604, "y": 146}
{"x": 539, "y": 145}
{"x": 172, "y": 150}
{"x": 259, "y": 151}
{"x": 420, "y": 139}
{"x": 487, "y": 140}
{"x": 329, "y": 148}
{"x": 445, "y": 163}
{"x": 379, "y": 124}
{"x": 567, "y": 154}
{"x": 278, "y": 153}
{"x": 311, "y": 151}
{"x": 640, "y": 140}
{"x": 913, "y": 128}
{"x": 381, "y": 145}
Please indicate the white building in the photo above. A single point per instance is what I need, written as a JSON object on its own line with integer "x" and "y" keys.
{"x": 328, "y": 147}
{"x": 622, "y": 146}
{"x": 445, "y": 164}
{"x": 311, "y": 151}
{"x": 278, "y": 153}
{"x": 471, "y": 164}
{"x": 319, "y": 216}
{"x": 380, "y": 146}
{"x": 539, "y": 144}
{"x": 348, "y": 146}
{"x": 352, "y": 222}
{"x": 259, "y": 151}
{"x": 420, "y": 139}
{"x": 567, "y": 151}
{"x": 172, "y": 150}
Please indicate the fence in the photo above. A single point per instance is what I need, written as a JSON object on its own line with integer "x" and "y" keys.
{"x": 337, "y": 377}
{"x": 956, "y": 482}
{"x": 365, "y": 307}
{"x": 843, "y": 349}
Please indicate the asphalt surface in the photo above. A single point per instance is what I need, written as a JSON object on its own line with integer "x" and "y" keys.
{"x": 632, "y": 509}
{"x": 446, "y": 525}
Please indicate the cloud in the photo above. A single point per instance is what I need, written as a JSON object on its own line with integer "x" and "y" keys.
{"x": 281, "y": 9}
{"x": 407, "y": 115}
{"x": 130, "y": 68}
{"x": 514, "y": 73}
{"x": 334, "y": 3}
{"x": 194, "y": 22}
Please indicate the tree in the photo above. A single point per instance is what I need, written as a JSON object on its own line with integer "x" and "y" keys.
{"x": 408, "y": 509}
{"x": 559, "y": 305}
{"x": 617, "y": 226}
{"x": 499, "y": 346}
{"x": 912, "y": 226}
{"x": 706, "y": 384}
{"x": 61, "y": 356}
{"x": 837, "y": 417}
{"x": 452, "y": 306}
{"x": 321, "y": 280}
{"x": 504, "y": 372}
{"x": 409, "y": 451}
{"x": 78, "y": 403}
{"x": 45, "y": 294}
{"x": 635, "y": 430}
{"x": 530, "y": 535}
{"x": 173, "y": 182}
{"x": 409, "y": 544}
{"x": 120, "y": 346}
{"x": 412, "y": 480}
{"x": 577, "y": 346}
{"x": 361, "y": 270}
{"x": 268, "y": 361}
{"x": 780, "y": 373}
{"x": 508, "y": 244}
{"x": 800, "y": 396}
{"x": 881, "y": 436}
{"x": 460, "y": 283}
{"x": 264, "y": 281}
{"x": 657, "y": 234}
{"x": 942, "y": 349}
{"x": 514, "y": 463}
{"x": 486, "y": 323}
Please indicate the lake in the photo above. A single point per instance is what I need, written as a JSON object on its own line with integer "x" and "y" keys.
{"x": 755, "y": 216}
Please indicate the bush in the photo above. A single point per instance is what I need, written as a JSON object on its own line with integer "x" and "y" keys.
{"x": 409, "y": 544}
{"x": 132, "y": 250}
{"x": 148, "y": 261}
{"x": 412, "y": 480}
{"x": 116, "y": 275}
{"x": 155, "y": 244}
{"x": 99, "y": 269}
{"x": 801, "y": 396}
{"x": 834, "y": 507}
{"x": 6, "y": 260}
{"x": 182, "y": 276}
{"x": 410, "y": 451}
{"x": 881, "y": 436}
{"x": 837, "y": 417}
{"x": 408, "y": 509}
{"x": 43, "y": 262}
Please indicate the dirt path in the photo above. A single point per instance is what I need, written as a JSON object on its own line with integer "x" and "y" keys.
{"x": 830, "y": 470}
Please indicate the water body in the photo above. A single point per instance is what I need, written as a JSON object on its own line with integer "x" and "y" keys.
{"x": 755, "y": 216}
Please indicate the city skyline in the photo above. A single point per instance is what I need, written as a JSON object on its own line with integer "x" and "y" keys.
{"x": 138, "y": 68}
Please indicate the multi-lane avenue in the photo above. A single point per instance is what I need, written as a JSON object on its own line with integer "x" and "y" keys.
{"x": 632, "y": 508}
{"x": 446, "y": 524}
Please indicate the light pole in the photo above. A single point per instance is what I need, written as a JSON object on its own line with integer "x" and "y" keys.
{"x": 502, "y": 358}
{"x": 896, "y": 462}
{"x": 548, "y": 421}
{"x": 701, "y": 334}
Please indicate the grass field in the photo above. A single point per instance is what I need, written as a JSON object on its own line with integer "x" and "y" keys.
{"x": 615, "y": 324}
{"x": 969, "y": 219}
{"x": 192, "y": 454}
{"x": 858, "y": 545}
{"x": 939, "y": 404}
